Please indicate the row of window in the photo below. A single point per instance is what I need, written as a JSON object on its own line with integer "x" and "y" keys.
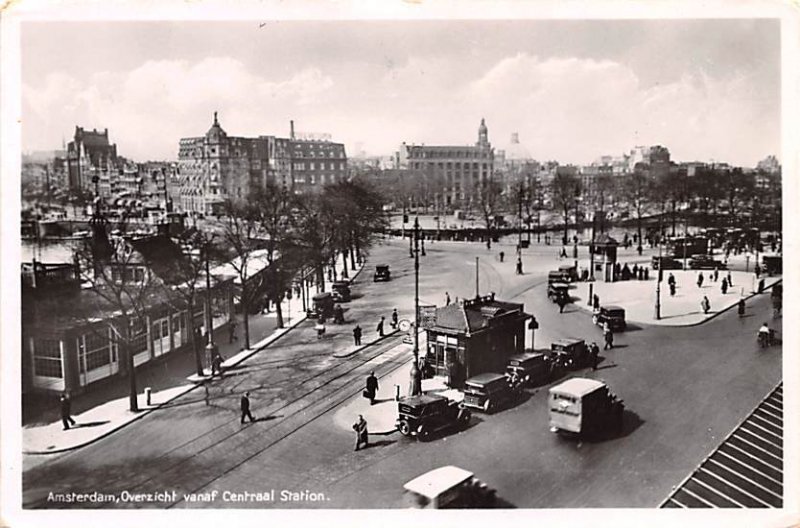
{"x": 322, "y": 166}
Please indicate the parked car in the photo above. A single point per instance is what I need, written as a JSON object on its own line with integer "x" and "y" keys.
{"x": 531, "y": 368}
{"x": 558, "y": 290}
{"x": 701, "y": 262}
{"x": 448, "y": 487}
{"x": 569, "y": 353}
{"x": 613, "y": 315}
{"x": 584, "y": 406}
{"x": 570, "y": 270}
{"x": 382, "y": 273}
{"x": 667, "y": 263}
{"x": 426, "y": 413}
{"x": 488, "y": 391}
{"x": 341, "y": 291}
{"x": 322, "y": 305}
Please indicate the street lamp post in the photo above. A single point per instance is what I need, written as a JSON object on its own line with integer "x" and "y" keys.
{"x": 660, "y": 269}
{"x": 211, "y": 348}
{"x": 416, "y": 375}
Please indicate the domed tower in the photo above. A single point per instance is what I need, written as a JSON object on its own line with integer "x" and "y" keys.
{"x": 215, "y": 133}
{"x": 483, "y": 134}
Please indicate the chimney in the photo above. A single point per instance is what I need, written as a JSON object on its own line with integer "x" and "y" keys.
{"x": 291, "y": 129}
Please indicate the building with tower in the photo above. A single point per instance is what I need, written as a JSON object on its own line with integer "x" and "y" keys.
{"x": 92, "y": 160}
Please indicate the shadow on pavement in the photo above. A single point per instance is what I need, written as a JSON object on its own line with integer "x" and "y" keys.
{"x": 500, "y": 503}
{"x": 630, "y": 423}
{"x": 90, "y": 424}
{"x": 380, "y": 443}
{"x": 630, "y": 327}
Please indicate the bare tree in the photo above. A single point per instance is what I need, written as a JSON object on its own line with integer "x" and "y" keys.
{"x": 565, "y": 189}
{"x": 489, "y": 201}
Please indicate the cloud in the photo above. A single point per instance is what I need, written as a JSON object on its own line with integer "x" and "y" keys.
{"x": 565, "y": 108}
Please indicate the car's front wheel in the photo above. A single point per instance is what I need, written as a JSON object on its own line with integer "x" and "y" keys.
{"x": 404, "y": 428}
{"x": 488, "y": 406}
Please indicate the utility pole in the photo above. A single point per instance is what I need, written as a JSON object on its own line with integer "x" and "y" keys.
{"x": 416, "y": 375}
{"x": 660, "y": 269}
{"x": 211, "y": 348}
{"x": 477, "y": 278}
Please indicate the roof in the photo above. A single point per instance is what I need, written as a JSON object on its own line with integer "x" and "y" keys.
{"x": 421, "y": 399}
{"x": 612, "y": 307}
{"x": 578, "y": 386}
{"x": 525, "y": 356}
{"x": 567, "y": 340}
{"x": 486, "y": 377}
{"x": 474, "y": 315}
{"x": 605, "y": 240}
{"x": 435, "y": 482}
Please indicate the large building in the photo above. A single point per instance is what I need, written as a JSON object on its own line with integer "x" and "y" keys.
{"x": 92, "y": 159}
{"x": 457, "y": 170}
{"x": 217, "y": 167}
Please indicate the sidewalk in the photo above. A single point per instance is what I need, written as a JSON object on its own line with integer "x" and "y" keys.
{"x": 382, "y": 415}
{"x": 638, "y": 297}
{"x": 104, "y": 409}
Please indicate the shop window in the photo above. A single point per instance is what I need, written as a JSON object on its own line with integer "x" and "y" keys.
{"x": 47, "y": 358}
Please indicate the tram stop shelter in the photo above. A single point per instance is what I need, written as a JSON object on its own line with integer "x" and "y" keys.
{"x": 604, "y": 249}
{"x": 474, "y": 336}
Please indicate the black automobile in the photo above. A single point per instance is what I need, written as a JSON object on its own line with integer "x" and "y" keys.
{"x": 569, "y": 353}
{"x": 559, "y": 276}
{"x": 424, "y": 414}
{"x": 667, "y": 263}
{"x": 488, "y": 391}
{"x": 613, "y": 315}
{"x": 382, "y": 273}
{"x": 558, "y": 290}
{"x": 341, "y": 291}
{"x": 702, "y": 262}
{"x": 530, "y": 368}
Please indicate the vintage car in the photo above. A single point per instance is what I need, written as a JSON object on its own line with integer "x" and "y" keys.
{"x": 584, "y": 406}
{"x": 382, "y": 273}
{"x": 448, "y": 487}
{"x": 613, "y": 315}
{"x": 667, "y": 263}
{"x": 424, "y": 414}
{"x": 558, "y": 290}
{"x": 569, "y": 353}
{"x": 530, "y": 368}
{"x": 488, "y": 391}
{"x": 341, "y": 291}
{"x": 570, "y": 270}
{"x": 701, "y": 262}
{"x": 558, "y": 277}
{"x": 322, "y": 305}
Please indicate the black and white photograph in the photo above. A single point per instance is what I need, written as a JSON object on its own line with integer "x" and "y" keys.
{"x": 522, "y": 258}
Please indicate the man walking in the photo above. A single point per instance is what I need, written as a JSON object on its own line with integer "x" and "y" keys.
{"x": 394, "y": 319}
{"x": 705, "y": 304}
{"x": 357, "y": 335}
{"x": 447, "y": 298}
{"x": 700, "y": 279}
{"x": 757, "y": 269}
{"x": 724, "y": 286}
{"x": 216, "y": 365}
{"x": 596, "y": 302}
{"x": 66, "y": 411}
{"x": 716, "y": 274}
{"x": 380, "y": 326}
{"x": 730, "y": 280}
{"x": 741, "y": 307}
{"x": 562, "y": 302}
{"x": 245, "y": 405}
{"x": 608, "y": 337}
{"x": 362, "y": 435}
{"x": 372, "y": 388}
{"x": 519, "y": 265}
{"x": 671, "y": 282}
{"x": 594, "y": 354}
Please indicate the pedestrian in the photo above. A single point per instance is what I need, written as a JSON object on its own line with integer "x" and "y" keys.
{"x": 757, "y": 269}
{"x": 596, "y": 302}
{"x": 245, "y": 405}
{"x": 716, "y": 274}
{"x": 672, "y": 289}
{"x": 357, "y": 335}
{"x": 724, "y": 286}
{"x": 66, "y": 411}
{"x": 216, "y": 365}
{"x": 741, "y": 307}
{"x": 372, "y": 388}
{"x": 608, "y": 337}
{"x": 380, "y": 326}
{"x": 232, "y": 332}
{"x": 502, "y": 256}
{"x": 562, "y": 301}
{"x": 705, "y": 304}
{"x": 671, "y": 279}
{"x": 594, "y": 354}
{"x": 320, "y": 328}
{"x": 394, "y": 318}
{"x": 563, "y": 253}
{"x": 635, "y": 271}
{"x": 362, "y": 435}
{"x": 700, "y": 280}
{"x": 519, "y": 265}
{"x": 447, "y": 298}
{"x": 730, "y": 280}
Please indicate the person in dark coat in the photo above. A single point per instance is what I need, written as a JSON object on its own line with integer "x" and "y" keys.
{"x": 705, "y": 304}
{"x": 596, "y": 302}
{"x": 502, "y": 256}
{"x": 741, "y": 307}
{"x": 724, "y": 286}
{"x": 357, "y": 335}
{"x": 730, "y": 280}
{"x": 608, "y": 337}
{"x": 716, "y": 274}
{"x": 66, "y": 411}
{"x": 594, "y": 354}
{"x": 561, "y": 300}
{"x": 447, "y": 298}
{"x": 245, "y": 405}
{"x": 757, "y": 269}
{"x": 519, "y": 265}
{"x": 372, "y": 388}
{"x": 394, "y": 318}
{"x": 380, "y": 326}
{"x": 362, "y": 434}
{"x": 216, "y": 365}
{"x": 700, "y": 279}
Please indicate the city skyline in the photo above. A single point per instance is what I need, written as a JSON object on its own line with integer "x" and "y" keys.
{"x": 706, "y": 89}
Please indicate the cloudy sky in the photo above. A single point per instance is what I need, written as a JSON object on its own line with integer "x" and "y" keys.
{"x": 573, "y": 90}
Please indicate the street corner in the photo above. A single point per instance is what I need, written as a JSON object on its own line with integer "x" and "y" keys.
{"x": 380, "y": 416}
